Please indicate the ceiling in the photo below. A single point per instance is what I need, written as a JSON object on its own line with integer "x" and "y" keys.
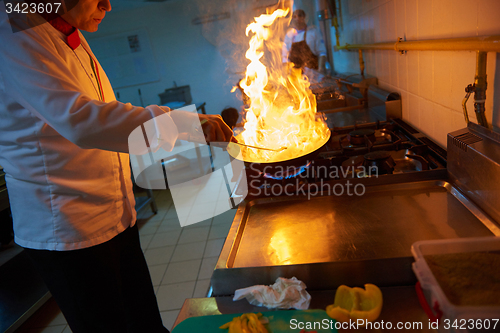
{"x": 119, "y": 5}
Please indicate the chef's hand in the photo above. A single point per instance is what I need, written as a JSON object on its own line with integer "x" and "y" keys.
{"x": 215, "y": 129}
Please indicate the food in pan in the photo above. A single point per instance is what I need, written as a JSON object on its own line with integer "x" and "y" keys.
{"x": 356, "y": 303}
{"x": 247, "y": 323}
{"x": 468, "y": 279}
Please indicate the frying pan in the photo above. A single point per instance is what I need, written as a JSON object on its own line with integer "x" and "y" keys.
{"x": 276, "y": 167}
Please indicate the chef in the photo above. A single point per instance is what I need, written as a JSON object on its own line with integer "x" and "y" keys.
{"x": 303, "y": 44}
{"x": 64, "y": 145}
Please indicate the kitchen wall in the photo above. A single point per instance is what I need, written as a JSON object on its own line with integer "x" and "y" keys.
{"x": 431, "y": 83}
{"x": 183, "y": 55}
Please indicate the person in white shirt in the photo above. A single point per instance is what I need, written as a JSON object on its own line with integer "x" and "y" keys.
{"x": 304, "y": 45}
{"x": 64, "y": 148}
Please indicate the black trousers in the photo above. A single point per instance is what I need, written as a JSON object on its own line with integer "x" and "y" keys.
{"x": 105, "y": 288}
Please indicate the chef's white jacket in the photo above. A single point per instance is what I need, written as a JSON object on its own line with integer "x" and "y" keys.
{"x": 313, "y": 40}
{"x": 69, "y": 188}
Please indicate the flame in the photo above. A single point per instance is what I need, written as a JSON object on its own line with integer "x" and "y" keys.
{"x": 282, "y": 108}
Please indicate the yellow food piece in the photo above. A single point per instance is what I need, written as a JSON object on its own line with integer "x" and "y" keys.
{"x": 235, "y": 326}
{"x": 356, "y": 303}
{"x": 246, "y": 323}
{"x": 225, "y": 326}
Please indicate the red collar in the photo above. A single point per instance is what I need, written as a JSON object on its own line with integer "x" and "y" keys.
{"x": 72, "y": 36}
{"x": 73, "y": 39}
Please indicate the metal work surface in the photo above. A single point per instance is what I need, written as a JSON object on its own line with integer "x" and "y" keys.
{"x": 400, "y": 305}
{"x": 382, "y": 223}
{"x": 329, "y": 240}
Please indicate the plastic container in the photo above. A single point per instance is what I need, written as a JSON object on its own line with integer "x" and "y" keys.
{"x": 433, "y": 299}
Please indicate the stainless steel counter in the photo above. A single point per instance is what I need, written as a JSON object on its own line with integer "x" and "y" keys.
{"x": 330, "y": 240}
{"x": 388, "y": 219}
{"x": 327, "y": 240}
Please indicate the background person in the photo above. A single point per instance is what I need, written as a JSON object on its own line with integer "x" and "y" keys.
{"x": 304, "y": 45}
{"x": 64, "y": 148}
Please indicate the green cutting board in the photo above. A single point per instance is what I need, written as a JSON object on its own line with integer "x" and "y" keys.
{"x": 279, "y": 322}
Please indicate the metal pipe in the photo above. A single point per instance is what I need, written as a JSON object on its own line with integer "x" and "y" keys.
{"x": 327, "y": 39}
{"x": 468, "y": 90}
{"x": 483, "y": 44}
{"x": 361, "y": 63}
{"x": 323, "y": 15}
{"x": 340, "y": 15}
{"x": 480, "y": 86}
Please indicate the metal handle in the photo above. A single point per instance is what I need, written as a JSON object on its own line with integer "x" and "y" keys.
{"x": 261, "y": 148}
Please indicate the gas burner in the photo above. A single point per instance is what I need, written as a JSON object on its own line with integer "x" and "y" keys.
{"x": 287, "y": 173}
{"x": 362, "y": 141}
{"x": 369, "y": 151}
{"x": 382, "y": 160}
{"x": 357, "y": 137}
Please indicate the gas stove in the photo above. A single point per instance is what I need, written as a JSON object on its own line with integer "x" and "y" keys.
{"x": 374, "y": 150}
{"x": 387, "y": 148}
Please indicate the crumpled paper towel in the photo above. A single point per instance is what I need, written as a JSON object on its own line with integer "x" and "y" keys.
{"x": 283, "y": 294}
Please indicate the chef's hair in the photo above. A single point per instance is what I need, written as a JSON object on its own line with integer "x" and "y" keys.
{"x": 300, "y": 12}
{"x": 230, "y": 116}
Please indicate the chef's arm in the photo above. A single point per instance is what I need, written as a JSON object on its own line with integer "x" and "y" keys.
{"x": 38, "y": 78}
{"x": 287, "y": 44}
{"x": 86, "y": 122}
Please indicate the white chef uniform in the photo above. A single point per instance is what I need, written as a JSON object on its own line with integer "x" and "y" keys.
{"x": 313, "y": 40}
{"x": 68, "y": 187}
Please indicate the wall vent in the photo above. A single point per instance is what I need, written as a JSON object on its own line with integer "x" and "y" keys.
{"x": 462, "y": 141}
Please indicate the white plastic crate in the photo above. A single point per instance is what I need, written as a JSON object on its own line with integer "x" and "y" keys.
{"x": 452, "y": 317}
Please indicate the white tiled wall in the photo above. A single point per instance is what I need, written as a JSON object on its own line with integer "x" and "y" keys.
{"x": 431, "y": 83}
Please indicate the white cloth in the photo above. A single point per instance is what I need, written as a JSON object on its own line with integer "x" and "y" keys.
{"x": 313, "y": 40}
{"x": 283, "y": 294}
{"x": 68, "y": 186}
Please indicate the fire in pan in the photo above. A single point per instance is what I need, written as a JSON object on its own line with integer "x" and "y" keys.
{"x": 278, "y": 164}
{"x": 281, "y": 115}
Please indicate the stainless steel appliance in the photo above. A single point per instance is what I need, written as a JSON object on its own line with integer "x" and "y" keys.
{"x": 317, "y": 228}
{"x": 327, "y": 239}
{"x": 309, "y": 221}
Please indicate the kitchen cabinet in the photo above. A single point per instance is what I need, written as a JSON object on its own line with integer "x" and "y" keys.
{"x": 22, "y": 290}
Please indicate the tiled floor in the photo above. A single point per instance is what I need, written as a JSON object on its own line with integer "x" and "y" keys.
{"x": 180, "y": 260}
